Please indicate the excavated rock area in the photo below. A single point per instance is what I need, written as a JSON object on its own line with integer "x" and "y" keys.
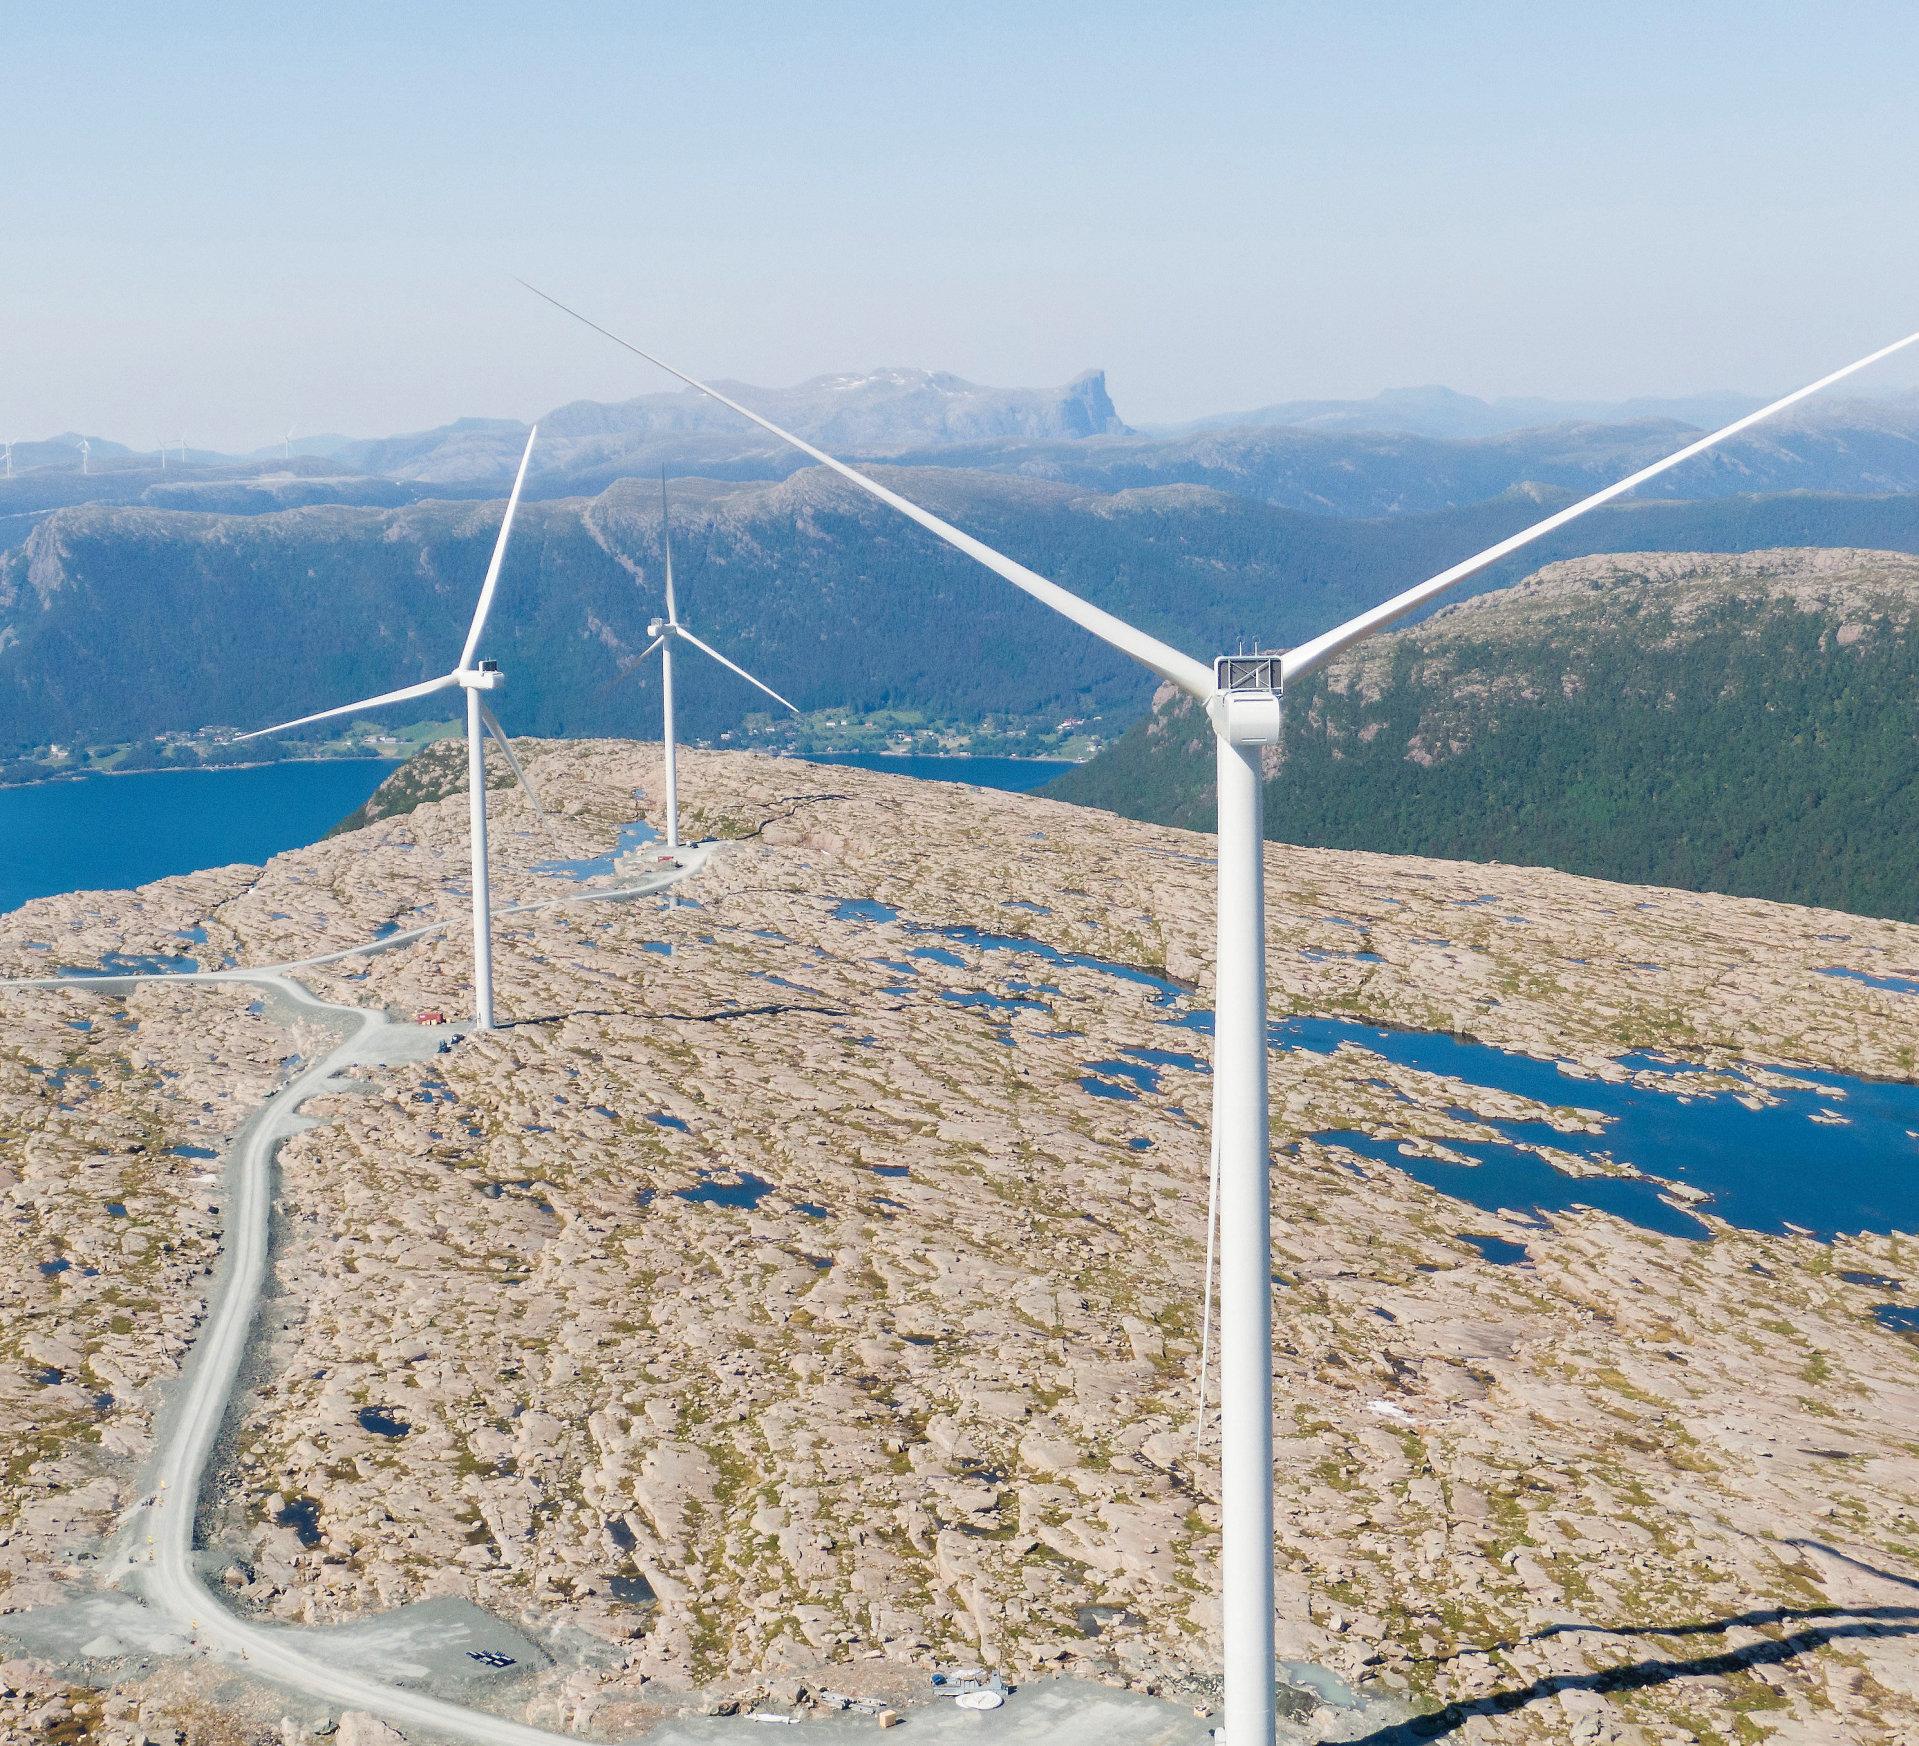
{"x": 771, "y": 1302}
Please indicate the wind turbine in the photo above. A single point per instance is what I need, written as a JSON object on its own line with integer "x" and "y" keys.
{"x": 86, "y": 450}
{"x": 1241, "y": 697}
{"x": 665, "y": 632}
{"x": 286, "y": 445}
{"x": 473, "y": 677}
{"x": 8, "y": 446}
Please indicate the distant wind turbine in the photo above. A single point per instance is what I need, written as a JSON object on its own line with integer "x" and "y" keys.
{"x": 8, "y": 446}
{"x": 472, "y": 676}
{"x": 86, "y": 449}
{"x": 1241, "y": 697}
{"x": 163, "y": 454}
{"x": 665, "y": 632}
{"x": 286, "y": 444}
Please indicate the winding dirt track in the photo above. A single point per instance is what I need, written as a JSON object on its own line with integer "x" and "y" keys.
{"x": 154, "y": 1554}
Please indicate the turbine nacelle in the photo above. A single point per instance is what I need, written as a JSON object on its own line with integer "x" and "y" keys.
{"x": 661, "y": 627}
{"x": 475, "y": 677}
{"x": 1244, "y": 707}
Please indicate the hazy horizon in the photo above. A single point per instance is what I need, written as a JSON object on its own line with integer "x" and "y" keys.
{"x": 237, "y": 223}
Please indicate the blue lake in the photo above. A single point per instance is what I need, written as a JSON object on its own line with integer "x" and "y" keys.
{"x": 111, "y": 832}
{"x": 1829, "y": 1153}
{"x": 1015, "y": 775}
{"x": 1840, "y": 1154}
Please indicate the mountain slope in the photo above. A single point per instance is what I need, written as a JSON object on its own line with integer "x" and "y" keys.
{"x": 1739, "y": 724}
{"x": 116, "y": 624}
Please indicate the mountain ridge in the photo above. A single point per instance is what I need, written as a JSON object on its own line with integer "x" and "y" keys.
{"x": 1741, "y": 723}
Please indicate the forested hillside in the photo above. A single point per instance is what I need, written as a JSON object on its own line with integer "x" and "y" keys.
{"x": 1740, "y": 724}
{"x": 121, "y": 623}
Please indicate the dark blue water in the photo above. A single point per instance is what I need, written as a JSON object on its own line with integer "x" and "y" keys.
{"x": 632, "y": 836}
{"x": 382, "y": 1423}
{"x": 748, "y": 1192}
{"x": 1897, "y": 984}
{"x": 863, "y": 909}
{"x": 111, "y": 832}
{"x": 1786, "y": 1165}
{"x": 1014, "y": 775}
{"x": 1497, "y": 1250}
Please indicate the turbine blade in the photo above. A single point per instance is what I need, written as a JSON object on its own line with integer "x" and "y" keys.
{"x": 707, "y": 648}
{"x": 1191, "y": 676}
{"x": 666, "y": 540}
{"x": 493, "y": 727}
{"x": 492, "y": 582}
{"x": 1309, "y": 656}
{"x": 626, "y": 673}
{"x": 426, "y": 689}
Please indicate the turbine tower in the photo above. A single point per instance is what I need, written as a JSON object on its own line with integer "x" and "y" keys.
{"x": 665, "y": 632}
{"x": 8, "y": 446}
{"x": 1241, "y": 697}
{"x": 473, "y": 676}
{"x": 86, "y": 451}
{"x": 286, "y": 445}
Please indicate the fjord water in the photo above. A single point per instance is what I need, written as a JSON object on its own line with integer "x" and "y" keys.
{"x": 110, "y": 832}
{"x": 106, "y": 833}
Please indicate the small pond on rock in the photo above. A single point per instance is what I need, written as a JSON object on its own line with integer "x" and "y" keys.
{"x": 1829, "y": 1153}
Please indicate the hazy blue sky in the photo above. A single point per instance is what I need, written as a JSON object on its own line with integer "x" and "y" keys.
{"x": 233, "y": 217}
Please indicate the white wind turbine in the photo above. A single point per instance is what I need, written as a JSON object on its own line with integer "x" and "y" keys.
{"x": 1241, "y": 697}
{"x": 473, "y": 677}
{"x": 8, "y": 446}
{"x": 286, "y": 445}
{"x": 665, "y": 632}
{"x": 86, "y": 452}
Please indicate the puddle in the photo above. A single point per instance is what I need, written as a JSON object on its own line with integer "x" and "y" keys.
{"x": 1138, "y": 1074}
{"x": 302, "y": 1515}
{"x": 1498, "y": 1250}
{"x": 748, "y": 1192}
{"x": 864, "y": 909}
{"x": 1092, "y": 1621}
{"x": 191, "y": 1152}
{"x": 809, "y": 1209}
{"x": 381, "y": 1422}
{"x": 636, "y": 835}
{"x": 660, "y": 1119}
{"x": 993, "y": 1002}
{"x": 1901, "y": 1318}
{"x": 635, "y": 1591}
{"x": 1897, "y": 984}
{"x": 132, "y": 964}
